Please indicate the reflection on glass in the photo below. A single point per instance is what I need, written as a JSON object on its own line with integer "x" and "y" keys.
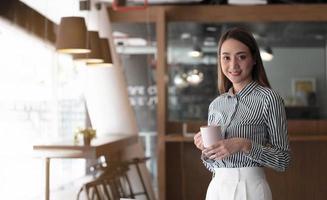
{"x": 190, "y": 91}
{"x": 294, "y": 56}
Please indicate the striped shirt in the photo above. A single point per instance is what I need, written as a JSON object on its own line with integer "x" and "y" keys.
{"x": 256, "y": 113}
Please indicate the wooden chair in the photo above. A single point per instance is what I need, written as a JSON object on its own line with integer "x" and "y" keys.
{"x": 111, "y": 181}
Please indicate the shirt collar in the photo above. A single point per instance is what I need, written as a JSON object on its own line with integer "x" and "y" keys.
{"x": 245, "y": 91}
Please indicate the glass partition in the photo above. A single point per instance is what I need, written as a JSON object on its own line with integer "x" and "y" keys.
{"x": 296, "y": 67}
{"x": 135, "y": 45}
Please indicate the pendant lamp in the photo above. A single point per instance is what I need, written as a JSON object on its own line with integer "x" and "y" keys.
{"x": 71, "y": 36}
{"x": 95, "y": 56}
{"x": 266, "y": 53}
{"x": 106, "y": 54}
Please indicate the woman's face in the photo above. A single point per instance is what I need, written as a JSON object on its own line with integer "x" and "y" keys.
{"x": 236, "y": 62}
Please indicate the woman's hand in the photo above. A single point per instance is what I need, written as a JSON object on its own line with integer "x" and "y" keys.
{"x": 227, "y": 147}
{"x": 198, "y": 141}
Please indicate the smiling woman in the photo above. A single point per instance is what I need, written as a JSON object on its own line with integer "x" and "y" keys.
{"x": 253, "y": 123}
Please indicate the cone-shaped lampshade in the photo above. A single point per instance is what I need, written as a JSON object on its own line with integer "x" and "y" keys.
{"x": 95, "y": 56}
{"x": 71, "y": 36}
{"x": 106, "y": 54}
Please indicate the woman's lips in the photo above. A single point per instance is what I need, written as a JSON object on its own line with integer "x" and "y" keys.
{"x": 235, "y": 73}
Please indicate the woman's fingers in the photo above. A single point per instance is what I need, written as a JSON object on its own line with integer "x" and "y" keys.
{"x": 217, "y": 155}
{"x": 198, "y": 141}
{"x": 224, "y": 148}
{"x": 212, "y": 157}
{"x": 197, "y": 136}
{"x": 213, "y": 147}
{"x": 216, "y": 151}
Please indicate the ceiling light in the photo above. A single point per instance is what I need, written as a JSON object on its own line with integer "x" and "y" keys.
{"x": 266, "y": 54}
{"x": 185, "y": 36}
{"x": 196, "y": 51}
{"x": 106, "y": 54}
{"x": 71, "y": 36}
{"x": 180, "y": 80}
{"x": 211, "y": 29}
{"x": 209, "y": 41}
{"x": 194, "y": 77}
{"x": 95, "y": 56}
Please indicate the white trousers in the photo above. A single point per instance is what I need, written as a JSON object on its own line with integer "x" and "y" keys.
{"x": 248, "y": 183}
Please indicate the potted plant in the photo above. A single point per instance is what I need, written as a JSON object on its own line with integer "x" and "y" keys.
{"x": 88, "y": 134}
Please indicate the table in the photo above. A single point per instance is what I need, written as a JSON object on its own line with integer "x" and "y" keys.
{"x": 100, "y": 146}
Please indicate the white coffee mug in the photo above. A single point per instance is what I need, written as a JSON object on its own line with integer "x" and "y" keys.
{"x": 210, "y": 135}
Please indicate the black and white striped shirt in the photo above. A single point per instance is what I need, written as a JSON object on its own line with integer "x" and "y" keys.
{"x": 256, "y": 113}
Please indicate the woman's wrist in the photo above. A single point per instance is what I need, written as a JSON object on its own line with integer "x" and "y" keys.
{"x": 246, "y": 147}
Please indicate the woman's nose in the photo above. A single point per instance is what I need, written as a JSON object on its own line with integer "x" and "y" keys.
{"x": 234, "y": 63}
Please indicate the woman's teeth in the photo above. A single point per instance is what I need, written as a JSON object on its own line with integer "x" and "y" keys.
{"x": 235, "y": 73}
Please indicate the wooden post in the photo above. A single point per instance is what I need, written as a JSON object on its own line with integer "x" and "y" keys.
{"x": 161, "y": 107}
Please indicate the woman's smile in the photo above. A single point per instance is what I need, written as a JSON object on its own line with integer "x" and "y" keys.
{"x": 235, "y": 73}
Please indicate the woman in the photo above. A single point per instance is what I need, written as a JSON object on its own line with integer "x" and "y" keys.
{"x": 253, "y": 122}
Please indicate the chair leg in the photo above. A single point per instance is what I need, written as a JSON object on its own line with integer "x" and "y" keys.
{"x": 114, "y": 189}
{"x": 96, "y": 192}
{"x": 87, "y": 191}
{"x": 105, "y": 190}
{"x": 79, "y": 193}
{"x": 141, "y": 178}
{"x": 131, "y": 193}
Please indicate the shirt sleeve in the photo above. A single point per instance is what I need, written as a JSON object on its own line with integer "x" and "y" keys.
{"x": 209, "y": 163}
{"x": 276, "y": 153}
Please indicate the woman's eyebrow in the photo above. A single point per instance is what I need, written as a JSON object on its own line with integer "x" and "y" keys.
{"x": 240, "y": 52}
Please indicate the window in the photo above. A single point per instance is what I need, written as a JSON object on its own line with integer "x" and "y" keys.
{"x": 40, "y": 98}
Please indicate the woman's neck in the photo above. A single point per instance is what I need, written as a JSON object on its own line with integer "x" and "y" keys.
{"x": 239, "y": 86}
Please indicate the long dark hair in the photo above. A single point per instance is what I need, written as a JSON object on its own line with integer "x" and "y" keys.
{"x": 258, "y": 71}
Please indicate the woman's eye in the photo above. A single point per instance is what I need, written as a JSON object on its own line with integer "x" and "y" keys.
{"x": 226, "y": 58}
{"x": 242, "y": 57}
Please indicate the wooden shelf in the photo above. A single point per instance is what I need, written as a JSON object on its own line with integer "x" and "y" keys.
{"x": 178, "y": 138}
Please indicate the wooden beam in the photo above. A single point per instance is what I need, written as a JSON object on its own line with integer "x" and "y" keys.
{"x": 134, "y": 16}
{"x": 257, "y": 13}
{"x": 227, "y": 13}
